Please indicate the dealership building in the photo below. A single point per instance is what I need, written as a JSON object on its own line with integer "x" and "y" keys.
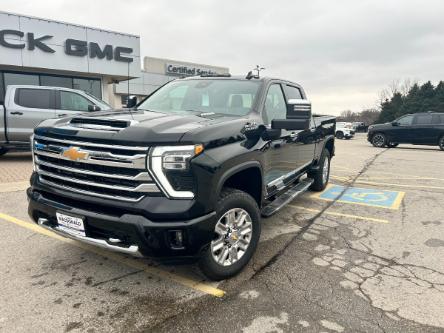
{"x": 107, "y": 64}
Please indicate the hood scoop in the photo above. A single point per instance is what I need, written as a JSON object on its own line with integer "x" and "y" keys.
{"x": 101, "y": 124}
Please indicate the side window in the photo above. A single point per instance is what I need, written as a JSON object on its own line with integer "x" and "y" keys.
{"x": 275, "y": 105}
{"x": 405, "y": 121}
{"x": 33, "y": 98}
{"x": 423, "y": 120}
{"x": 438, "y": 119}
{"x": 73, "y": 102}
{"x": 292, "y": 92}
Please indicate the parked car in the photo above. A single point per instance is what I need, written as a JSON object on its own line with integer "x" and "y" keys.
{"x": 359, "y": 126}
{"x": 344, "y": 130}
{"x": 187, "y": 173}
{"x": 26, "y": 106}
{"x": 418, "y": 129}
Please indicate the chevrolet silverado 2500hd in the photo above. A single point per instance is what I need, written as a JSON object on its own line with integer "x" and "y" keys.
{"x": 187, "y": 173}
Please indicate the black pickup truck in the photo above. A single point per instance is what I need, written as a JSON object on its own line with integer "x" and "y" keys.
{"x": 186, "y": 173}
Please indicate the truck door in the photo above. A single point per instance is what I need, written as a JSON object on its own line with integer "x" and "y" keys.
{"x": 70, "y": 103}
{"x": 26, "y": 109}
{"x": 281, "y": 159}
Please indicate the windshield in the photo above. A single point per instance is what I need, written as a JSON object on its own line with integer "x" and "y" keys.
{"x": 99, "y": 102}
{"x": 227, "y": 97}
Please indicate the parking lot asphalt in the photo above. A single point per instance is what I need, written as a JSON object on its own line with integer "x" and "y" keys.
{"x": 364, "y": 256}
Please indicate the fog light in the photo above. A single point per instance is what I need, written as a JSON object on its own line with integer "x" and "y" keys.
{"x": 176, "y": 239}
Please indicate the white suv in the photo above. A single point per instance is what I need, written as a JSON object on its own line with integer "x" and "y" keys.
{"x": 344, "y": 130}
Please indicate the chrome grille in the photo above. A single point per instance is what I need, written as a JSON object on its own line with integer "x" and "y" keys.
{"x": 106, "y": 171}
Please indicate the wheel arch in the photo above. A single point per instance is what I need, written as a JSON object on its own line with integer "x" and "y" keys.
{"x": 247, "y": 177}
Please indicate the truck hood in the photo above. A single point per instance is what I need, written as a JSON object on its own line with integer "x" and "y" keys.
{"x": 144, "y": 127}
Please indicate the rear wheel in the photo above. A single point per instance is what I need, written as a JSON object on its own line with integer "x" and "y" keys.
{"x": 441, "y": 143}
{"x": 339, "y": 135}
{"x": 379, "y": 140}
{"x": 3, "y": 151}
{"x": 236, "y": 235}
{"x": 322, "y": 175}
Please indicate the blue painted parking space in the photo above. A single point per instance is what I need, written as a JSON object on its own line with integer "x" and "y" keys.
{"x": 363, "y": 196}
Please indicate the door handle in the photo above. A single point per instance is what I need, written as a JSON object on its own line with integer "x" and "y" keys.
{"x": 17, "y": 113}
{"x": 62, "y": 115}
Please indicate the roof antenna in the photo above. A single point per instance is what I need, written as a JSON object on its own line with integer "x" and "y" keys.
{"x": 250, "y": 74}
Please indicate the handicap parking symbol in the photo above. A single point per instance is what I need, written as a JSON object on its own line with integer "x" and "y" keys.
{"x": 363, "y": 196}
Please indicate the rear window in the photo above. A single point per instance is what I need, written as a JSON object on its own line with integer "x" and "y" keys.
{"x": 423, "y": 120}
{"x": 33, "y": 98}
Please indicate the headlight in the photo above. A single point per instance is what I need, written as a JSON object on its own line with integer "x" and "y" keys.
{"x": 172, "y": 158}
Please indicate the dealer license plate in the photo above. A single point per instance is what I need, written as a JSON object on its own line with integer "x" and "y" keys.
{"x": 70, "y": 224}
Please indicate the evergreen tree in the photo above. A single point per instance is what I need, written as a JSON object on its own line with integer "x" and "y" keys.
{"x": 418, "y": 99}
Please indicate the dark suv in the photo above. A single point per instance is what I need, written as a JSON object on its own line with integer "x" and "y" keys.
{"x": 418, "y": 129}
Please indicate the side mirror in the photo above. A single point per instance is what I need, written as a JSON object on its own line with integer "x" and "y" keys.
{"x": 298, "y": 116}
{"x": 395, "y": 123}
{"x": 132, "y": 102}
{"x": 93, "y": 108}
{"x": 298, "y": 108}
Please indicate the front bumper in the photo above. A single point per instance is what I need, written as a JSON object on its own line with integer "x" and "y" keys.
{"x": 135, "y": 234}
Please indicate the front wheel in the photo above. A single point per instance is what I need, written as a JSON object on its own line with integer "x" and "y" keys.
{"x": 322, "y": 175}
{"x": 441, "y": 143}
{"x": 379, "y": 140}
{"x": 236, "y": 235}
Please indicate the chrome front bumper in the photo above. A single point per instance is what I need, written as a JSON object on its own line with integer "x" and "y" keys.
{"x": 132, "y": 249}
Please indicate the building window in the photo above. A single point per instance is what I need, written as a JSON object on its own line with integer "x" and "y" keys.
{"x": 56, "y": 81}
{"x": 92, "y": 86}
{"x": 21, "y": 79}
{"x": 2, "y": 89}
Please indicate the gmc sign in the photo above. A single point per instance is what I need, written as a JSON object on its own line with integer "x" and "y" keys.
{"x": 73, "y": 47}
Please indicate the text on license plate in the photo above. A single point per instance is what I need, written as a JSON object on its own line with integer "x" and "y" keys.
{"x": 70, "y": 224}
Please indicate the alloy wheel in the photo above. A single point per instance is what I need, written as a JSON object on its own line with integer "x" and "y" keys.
{"x": 378, "y": 140}
{"x": 325, "y": 170}
{"x": 234, "y": 231}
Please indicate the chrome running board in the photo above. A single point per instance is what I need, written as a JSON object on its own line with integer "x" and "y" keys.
{"x": 286, "y": 197}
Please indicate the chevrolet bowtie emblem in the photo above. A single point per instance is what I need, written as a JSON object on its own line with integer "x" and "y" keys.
{"x": 74, "y": 153}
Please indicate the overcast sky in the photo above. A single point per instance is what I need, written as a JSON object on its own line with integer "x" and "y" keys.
{"x": 342, "y": 52}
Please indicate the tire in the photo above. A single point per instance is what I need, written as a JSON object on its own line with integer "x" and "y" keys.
{"x": 441, "y": 143}
{"x": 218, "y": 264}
{"x": 322, "y": 175}
{"x": 392, "y": 144}
{"x": 379, "y": 140}
{"x": 3, "y": 151}
{"x": 339, "y": 135}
